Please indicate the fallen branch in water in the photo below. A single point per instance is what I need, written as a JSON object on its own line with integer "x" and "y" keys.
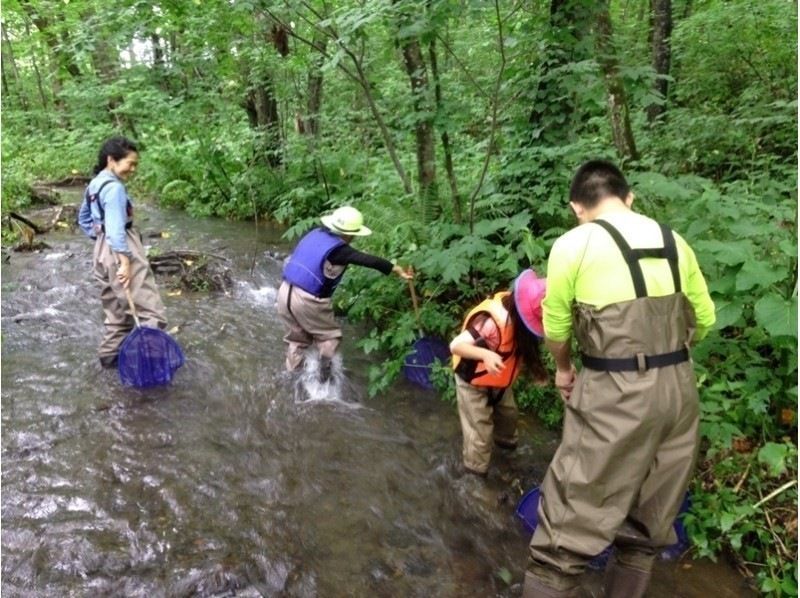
{"x": 193, "y": 270}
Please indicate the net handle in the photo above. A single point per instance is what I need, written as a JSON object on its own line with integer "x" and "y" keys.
{"x": 415, "y": 303}
{"x": 132, "y": 306}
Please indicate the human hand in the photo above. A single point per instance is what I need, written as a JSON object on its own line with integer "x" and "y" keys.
{"x": 493, "y": 362}
{"x": 565, "y": 381}
{"x": 124, "y": 271}
{"x": 404, "y": 274}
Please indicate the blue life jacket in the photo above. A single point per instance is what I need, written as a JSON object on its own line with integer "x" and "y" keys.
{"x": 305, "y": 268}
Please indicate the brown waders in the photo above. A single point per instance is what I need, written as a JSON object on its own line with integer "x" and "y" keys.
{"x": 629, "y": 442}
{"x": 146, "y": 298}
{"x": 488, "y": 416}
{"x": 308, "y": 320}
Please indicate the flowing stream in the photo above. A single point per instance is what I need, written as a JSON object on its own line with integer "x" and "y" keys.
{"x": 229, "y": 482}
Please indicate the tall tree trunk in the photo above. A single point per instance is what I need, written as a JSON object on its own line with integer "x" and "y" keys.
{"x": 314, "y": 99}
{"x": 662, "y": 54}
{"x": 615, "y": 88}
{"x": 423, "y": 130}
{"x": 106, "y": 67}
{"x": 262, "y": 105}
{"x": 448, "y": 151}
{"x": 569, "y": 20}
{"x": 262, "y": 113}
{"x": 57, "y": 43}
{"x": 7, "y": 56}
{"x": 360, "y": 77}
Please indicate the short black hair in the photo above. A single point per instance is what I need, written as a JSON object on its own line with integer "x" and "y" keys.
{"x": 595, "y": 180}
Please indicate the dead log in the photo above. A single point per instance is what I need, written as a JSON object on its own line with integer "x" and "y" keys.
{"x": 36, "y": 228}
{"x": 73, "y": 180}
{"x": 193, "y": 270}
{"x": 46, "y": 195}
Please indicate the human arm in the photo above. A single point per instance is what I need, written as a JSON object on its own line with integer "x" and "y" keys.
{"x": 115, "y": 208}
{"x": 696, "y": 291}
{"x": 557, "y": 311}
{"x": 474, "y": 342}
{"x": 565, "y": 369}
{"x": 345, "y": 255}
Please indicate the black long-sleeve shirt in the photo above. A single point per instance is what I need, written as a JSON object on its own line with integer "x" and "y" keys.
{"x": 345, "y": 255}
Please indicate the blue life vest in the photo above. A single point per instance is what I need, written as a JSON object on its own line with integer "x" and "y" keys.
{"x": 305, "y": 268}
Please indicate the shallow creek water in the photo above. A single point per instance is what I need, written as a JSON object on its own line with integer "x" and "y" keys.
{"x": 227, "y": 482}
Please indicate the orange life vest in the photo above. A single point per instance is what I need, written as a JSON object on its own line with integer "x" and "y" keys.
{"x": 473, "y": 371}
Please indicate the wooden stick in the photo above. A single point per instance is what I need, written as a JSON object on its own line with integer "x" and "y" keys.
{"x": 414, "y": 298}
{"x": 132, "y": 306}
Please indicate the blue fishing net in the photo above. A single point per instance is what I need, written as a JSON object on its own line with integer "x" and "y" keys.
{"x": 527, "y": 511}
{"x": 149, "y": 357}
{"x": 417, "y": 365}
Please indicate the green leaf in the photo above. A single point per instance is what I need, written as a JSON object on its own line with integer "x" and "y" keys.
{"x": 505, "y": 575}
{"x": 759, "y": 275}
{"x": 726, "y": 521}
{"x": 777, "y": 316}
{"x": 727, "y": 253}
{"x": 728, "y": 313}
{"x": 773, "y": 455}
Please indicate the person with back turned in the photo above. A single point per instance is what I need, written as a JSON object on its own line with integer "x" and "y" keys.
{"x": 310, "y": 276}
{"x": 631, "y": 293}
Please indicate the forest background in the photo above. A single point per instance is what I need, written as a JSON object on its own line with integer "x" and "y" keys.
{"x": 455, "y": 125}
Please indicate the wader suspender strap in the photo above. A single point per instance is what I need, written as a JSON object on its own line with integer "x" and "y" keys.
{"x": 632, "y": 256}
{"x": 641, "y": 362}
{"x": 289, "y": 300}
{"x": 96, "y": 197}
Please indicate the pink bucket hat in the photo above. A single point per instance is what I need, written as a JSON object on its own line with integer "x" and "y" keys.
{"x": 529, "y": 291}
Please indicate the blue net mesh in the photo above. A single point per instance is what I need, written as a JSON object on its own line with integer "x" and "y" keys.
{"x": 149, "y": 357}
{"x": 424, "y": 352}
{"x": 527, "y": 511}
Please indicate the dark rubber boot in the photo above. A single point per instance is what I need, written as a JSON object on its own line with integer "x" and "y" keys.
{"x": 325, "y": 367}
{"x": 535, "y": 588}
{"x": 109, "y": 361}
{"x": 625, "y": 582}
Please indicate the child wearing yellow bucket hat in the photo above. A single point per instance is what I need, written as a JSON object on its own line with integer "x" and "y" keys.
{"x": 310, "y": 276}
{"x": 499, "y": 338}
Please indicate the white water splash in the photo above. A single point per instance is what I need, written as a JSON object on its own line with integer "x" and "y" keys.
{"x": 309, "y": 388}
{"x": 265, "y": 295}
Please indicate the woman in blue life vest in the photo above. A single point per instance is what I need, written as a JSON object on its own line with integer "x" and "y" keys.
{"x": 499, "y": 338}
{"x": 310, "y": 276}
{"x": 119, "y": 259}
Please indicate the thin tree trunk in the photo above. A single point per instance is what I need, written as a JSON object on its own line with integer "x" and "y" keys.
{"x": 569, "y": 22}
{"x": 423, "y": 130}
{"x": 17, "y": 79}
{"x": 448, "y": 152}
{"x": 56, "y": 43}
{"x": 662, "y": 54}
{"x": 360, "y": 77}
{"x": 617, "y": 102}
{"x": 314, "y": 100}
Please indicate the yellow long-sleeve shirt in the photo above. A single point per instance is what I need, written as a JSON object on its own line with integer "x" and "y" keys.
{"x": 586, "y": 266}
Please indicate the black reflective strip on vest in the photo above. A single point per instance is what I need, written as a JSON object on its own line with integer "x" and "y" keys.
{"x": 632, "y": 256}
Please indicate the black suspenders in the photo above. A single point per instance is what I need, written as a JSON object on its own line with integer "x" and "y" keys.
{"x": 668, "y": 252}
